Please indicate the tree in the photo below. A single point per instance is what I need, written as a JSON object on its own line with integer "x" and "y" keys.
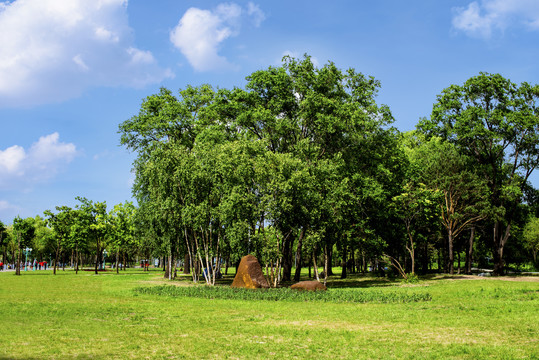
{"x": 464, "y": 199}
{"x": 61, "y": 223}
{"x": 95, "y": 219}
{"x": 290, "y": 151}
{"x": 531, "y": 238}
{"x": 122, "y": 229}
{"x": 317, "y": 116}
{"x": 25, "y": 232}
{"x": 416, "y": 207}
{"x": 3, "y": 241}
{"x": 496, "y": 123}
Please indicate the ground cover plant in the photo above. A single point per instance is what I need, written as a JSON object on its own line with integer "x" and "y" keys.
{"x": 286, "y": 294}
{"x": 102, "y": 316}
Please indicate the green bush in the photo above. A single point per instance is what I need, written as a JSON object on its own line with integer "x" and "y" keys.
{"x": 394, "y": 295}
{"x": 412, "y": 279}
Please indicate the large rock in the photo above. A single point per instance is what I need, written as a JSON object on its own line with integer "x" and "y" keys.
{"x": 309, "y": 286}
{"x": 250, "y": 274}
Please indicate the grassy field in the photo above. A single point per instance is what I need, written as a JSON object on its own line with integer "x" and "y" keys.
{"x": 87, "y": 316}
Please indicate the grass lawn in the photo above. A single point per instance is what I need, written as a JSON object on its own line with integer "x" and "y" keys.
{"x": 87, "y": 316}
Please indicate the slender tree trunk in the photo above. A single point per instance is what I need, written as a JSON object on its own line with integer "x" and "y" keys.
{"x": 353, "y": 269}
{"x": 364, "y": 263}
{"x": 117, "y": 261}
{"x": 297, "y": 275}
{"x": 18, "y": 264}
{"x": 76, "y": 260}
{"x": 329, "y": 270}
{"x": 343, "y": 262}
{"x": 315, "y": 267}
{"x": 326, "y": 263}
{"x": 450, "y": 254}
{"x": 458, "y": 262}
{"x": 56, "y": 256}
{"x": 166, "y": 266}
{"x": 469, "y": 252}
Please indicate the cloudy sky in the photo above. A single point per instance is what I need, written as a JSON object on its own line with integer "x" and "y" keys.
{"x": 72, "y": 70}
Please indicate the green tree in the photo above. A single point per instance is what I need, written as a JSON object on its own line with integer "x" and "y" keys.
{"x": 3, "y": 241}
{"x": 61, "y": 223}
{"x": 495, "y": 122}
{"x": 417, "y": 207}
{"x": 122, "y": 229}
{"x": 531, "y": 238}
{"x": 465, "y": 197}
{"x": 25, "y": 232}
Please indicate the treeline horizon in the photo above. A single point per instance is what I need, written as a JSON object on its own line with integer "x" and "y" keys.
{"x": 303, "y": 167}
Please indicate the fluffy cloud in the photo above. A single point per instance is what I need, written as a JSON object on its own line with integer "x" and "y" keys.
{"x": 42, "y": 161}
{"x": 53, "y": 50}
{"x": 7, "y": 210}
{"x": 481, "y": 20}
{"x": 200, "y": 33}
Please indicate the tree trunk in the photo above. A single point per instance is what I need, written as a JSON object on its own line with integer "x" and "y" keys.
{"x": 18, "y": 264}
{"x": 315, "y": 267}
{"x": 450, "y": 254}
{"x": 117, "y": 261}
{"x": 287, "y": 258}
{"x": 329, "y": 270}
{"x": 326, "y": 263}
{"x": 56, "y": 256}
{"x": 363, "y": 263}
{"x": 76, "y": 260}
{"x": 500, "y": 239}
{"x": 343, "y": 262}
{"x": 186, "y": 264}
{"x": 298, "y": 255}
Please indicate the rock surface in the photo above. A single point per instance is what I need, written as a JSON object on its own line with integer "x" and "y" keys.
{"x": 250, "y": 274}
{"x": 309, "y": 286}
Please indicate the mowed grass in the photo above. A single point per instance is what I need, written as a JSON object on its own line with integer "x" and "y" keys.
{"x": 87, "y": 316}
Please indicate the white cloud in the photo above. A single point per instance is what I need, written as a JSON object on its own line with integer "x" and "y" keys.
{"x": 11, "y": 159}
{"x": 53, "y": 50}
{"x": 200, "y": 33}
{"x": 41, "y": 162}
{"x": 5, "y": 206}
{"x": 481, "y": 20}
{"x": 256, "y": 14}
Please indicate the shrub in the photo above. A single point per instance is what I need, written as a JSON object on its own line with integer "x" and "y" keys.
{"x": 395, "y": 295}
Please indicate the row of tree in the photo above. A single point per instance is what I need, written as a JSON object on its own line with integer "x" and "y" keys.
{"x": 302, "y": 168}
{"x": 70, "y": 235}
{"x": 303, "y": 162}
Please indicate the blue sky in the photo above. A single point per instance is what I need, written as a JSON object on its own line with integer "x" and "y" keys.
{"x": 72, "y": 70}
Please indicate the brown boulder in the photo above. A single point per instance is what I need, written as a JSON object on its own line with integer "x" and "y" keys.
{"x": 250, "y": 274}
{"x": 309, "y": 286}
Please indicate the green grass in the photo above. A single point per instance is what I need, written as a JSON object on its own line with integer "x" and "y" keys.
{"x": 87, "y": 316}
{"x": 286, "y": 294}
